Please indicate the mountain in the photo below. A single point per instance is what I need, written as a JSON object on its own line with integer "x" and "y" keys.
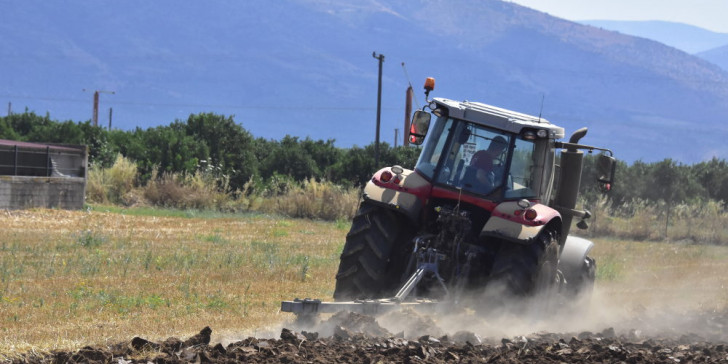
{"x": 305, "y": 68}
{"x": 717, "y": 56}
{"x": 685, "y": 37}
{"x": 706, "y": 44}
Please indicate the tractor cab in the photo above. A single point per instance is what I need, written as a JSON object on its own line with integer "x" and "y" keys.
{"x": 485, "y": 151}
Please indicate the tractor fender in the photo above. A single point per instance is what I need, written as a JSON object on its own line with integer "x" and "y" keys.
{"x": 405, "y": 193}
{"x": 508, "y": 222}
{"x": 573, "y": 255}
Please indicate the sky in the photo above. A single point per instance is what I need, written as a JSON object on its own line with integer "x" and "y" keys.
{"x": 707, "y": 14}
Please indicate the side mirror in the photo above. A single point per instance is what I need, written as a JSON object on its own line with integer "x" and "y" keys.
{"x": 605, "y": 171}
{"x": 418, "y": 128}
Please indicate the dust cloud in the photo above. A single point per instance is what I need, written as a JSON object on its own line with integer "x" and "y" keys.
{"x": 640, "y": 305}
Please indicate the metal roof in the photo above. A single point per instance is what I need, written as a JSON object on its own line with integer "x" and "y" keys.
{"x": 497, "y": 117}
{"x": 13, "y": 143}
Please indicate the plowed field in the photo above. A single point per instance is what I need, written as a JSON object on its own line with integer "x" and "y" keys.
{"x": 90, "y": 286}
{"x": 359, "y": 339}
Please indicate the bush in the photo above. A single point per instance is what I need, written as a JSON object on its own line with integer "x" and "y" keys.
{"x": 95, "y": 186}
{"x": 185, "y": 192}
{"x": 696, "y": 222}
{"x": 314, "y": 200}
{"x": 208, "y": 189}
{"x": 113, "y": 184}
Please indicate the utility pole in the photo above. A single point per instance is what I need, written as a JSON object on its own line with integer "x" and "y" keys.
{"x": 10, "y": 108}
{"x": 379, "y": 108}
{"x": 110, "y": 111}
{"x": 407, "y": 114}
{"x": 95, "y": 116}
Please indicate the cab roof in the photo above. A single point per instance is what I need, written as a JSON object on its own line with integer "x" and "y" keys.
{"x": 498, "y": 118}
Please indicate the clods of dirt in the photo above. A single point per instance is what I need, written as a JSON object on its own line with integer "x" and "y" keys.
{"x": 358, "y": 338}
{"x": 295, "y": 347}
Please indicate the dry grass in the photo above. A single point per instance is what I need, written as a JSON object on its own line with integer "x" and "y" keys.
{"x": 184, "y": 192}
{"x": 111, "y": 184}
{"x": 71, "y": 278}
{"x": 637, "y": 276}
{"x": 205, "y": 190}
{"x": 313, "y": 199}
{"x": 75, "y": 278}
{"x": 699, "y": 222}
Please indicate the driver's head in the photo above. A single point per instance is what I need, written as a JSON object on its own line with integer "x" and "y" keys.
{"x": 497, "y": 145}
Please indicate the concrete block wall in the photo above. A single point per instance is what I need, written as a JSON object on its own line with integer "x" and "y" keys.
{"x": 20, "y": 192}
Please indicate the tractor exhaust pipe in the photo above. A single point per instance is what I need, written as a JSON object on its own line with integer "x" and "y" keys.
{"x": 576, "y": 137}
{"x": 569, "y": 182}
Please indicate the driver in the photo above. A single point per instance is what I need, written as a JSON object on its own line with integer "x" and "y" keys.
{"x": 484, "y": 162}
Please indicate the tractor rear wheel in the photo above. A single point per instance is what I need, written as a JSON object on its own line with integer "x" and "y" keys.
{"x": 527, "y": 269}
{"x": 374, "y": 256}
{"x": 582, "y": 285}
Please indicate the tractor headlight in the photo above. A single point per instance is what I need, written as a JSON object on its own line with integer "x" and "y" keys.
{"x": 523, "y": 203}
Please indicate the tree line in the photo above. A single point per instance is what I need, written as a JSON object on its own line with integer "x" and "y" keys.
{"x": 217, "y": 144}
{"x": 212, "y": 143}
{"x": 666, "y": 181}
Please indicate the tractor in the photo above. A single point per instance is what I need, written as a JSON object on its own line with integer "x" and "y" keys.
{"x": 490, "y": 201}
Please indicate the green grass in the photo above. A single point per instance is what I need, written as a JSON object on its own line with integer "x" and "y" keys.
{"x": 609, "y": 268}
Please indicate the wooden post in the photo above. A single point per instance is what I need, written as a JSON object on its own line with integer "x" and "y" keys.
{"x": 407, "y": 114}
{"x": 379, "y": 108}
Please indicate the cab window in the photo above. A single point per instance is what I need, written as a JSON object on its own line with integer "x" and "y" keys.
{"x": 522, "y": 172}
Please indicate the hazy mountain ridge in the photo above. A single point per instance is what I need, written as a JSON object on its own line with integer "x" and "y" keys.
{"x": 703, "y": 43}
{"x": 304, "y": 67}
{"x": 718, "y": 56}
{"x": 689, "y": 38}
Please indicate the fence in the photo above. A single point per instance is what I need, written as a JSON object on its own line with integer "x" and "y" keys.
{"x": 42, "y": 175}
{"x": 42, "y": 160}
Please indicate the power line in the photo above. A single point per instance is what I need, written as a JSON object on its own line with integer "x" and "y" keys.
{"x": 230, "y": 106}
{"x": 409, "y": 82}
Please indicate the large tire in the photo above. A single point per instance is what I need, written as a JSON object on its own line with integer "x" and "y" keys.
{"x": 527, "y": 269}
{"x": 375, "y": 254}
{"x": 582, "y": 285}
